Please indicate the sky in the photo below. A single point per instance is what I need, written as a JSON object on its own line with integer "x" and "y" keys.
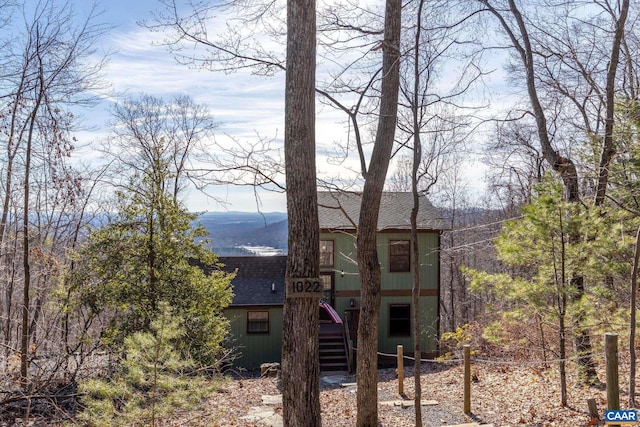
{"x": 244, "y": 106}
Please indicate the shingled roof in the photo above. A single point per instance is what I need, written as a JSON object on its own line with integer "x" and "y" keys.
{"x": 340, "y": 211}
{"x": 254, "y": 279}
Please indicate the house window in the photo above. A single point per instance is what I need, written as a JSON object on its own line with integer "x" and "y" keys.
{"x": 328, "y": 287}
{"x": 399, "y": 320}
{"x": 399, "y": 256}
{"x": 326, "y": 253}
{"x": 257, "y": 322}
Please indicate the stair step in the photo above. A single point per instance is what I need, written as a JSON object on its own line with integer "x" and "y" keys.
{"x": 333, "y": 351}
{"x": 335, "y": 357}
{"x": 333, "y": 365}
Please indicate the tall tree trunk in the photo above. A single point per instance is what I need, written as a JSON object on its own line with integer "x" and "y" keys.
{"x": 24, "y": 338}
{"x": 415, "y": 291}
{"x": 415, "y": 253}
{"x": 367, "y": 251}
{"x": 13, "y": 142}
{"x": 40, "y": 89}
{"x": 608, "y": 146}
{"x": 562, "y": 310}
{"x": 300, "y": 358}
{"x": 452, "y": 271}
{"x": 9, "y": 292}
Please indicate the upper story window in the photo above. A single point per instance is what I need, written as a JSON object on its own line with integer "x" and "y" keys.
{"x": 257, "y": 322}
{"x": 399, "y": 256}
{"x": 326, "y": 253}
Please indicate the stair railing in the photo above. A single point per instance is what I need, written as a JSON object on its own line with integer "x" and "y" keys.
{"x": 348, "y": 343}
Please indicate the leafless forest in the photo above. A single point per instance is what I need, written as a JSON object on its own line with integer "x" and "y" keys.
{"x": 536, "y": 99}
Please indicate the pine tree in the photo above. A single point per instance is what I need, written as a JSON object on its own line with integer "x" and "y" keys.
{"x": 148, "y": 254}
{"x": 153, "y": 380}
{"x": 542, "y": 259}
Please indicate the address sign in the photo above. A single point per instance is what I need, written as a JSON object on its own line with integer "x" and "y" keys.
{"x": 304, "y": 288}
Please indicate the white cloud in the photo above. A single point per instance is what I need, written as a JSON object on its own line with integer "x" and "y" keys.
{"x": 245, "y": 106}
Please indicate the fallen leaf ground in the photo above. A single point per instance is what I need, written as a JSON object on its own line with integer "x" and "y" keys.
{"x": 503, "y": 394}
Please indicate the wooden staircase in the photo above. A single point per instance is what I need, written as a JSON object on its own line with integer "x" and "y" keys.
{"x": 333, "y": 348}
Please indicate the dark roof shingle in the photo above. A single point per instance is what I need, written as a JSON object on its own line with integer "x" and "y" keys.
{"x": 254, "y": 279}
{"x": 338, "y": 210}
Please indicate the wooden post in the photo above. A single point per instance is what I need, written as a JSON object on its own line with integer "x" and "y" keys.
{"x": 467, "y": 378}
{"x": 593, "y": 408}
{"x": 632, "y": 328}
{"x": 611, "y": 354}
{"x": 350, "y": 356}
{"x": 400, "y": 370}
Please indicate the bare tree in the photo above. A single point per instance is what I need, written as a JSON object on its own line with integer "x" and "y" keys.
{"x": 367, "y": 251}
{"x": 229, "y": 54}
{"x": 451, "y": 195}
{"x": 415, "y": 256}
{"x": 608, "y": 145}
{"x": 515, "y": 164}
{"x": 50, "y": 72}
{"x": 164, "y": 132}
{"x": 431, "y": 122}
{"x": 542, "y": 52}
{"x": 300, "y": 357}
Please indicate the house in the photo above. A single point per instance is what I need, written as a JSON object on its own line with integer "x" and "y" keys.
{"x": 255, "y": 314}
{"x": 256, "y": 311}
{"x": 338, "y": 216}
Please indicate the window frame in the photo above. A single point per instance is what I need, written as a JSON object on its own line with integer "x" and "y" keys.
{"x": 332, "y": 291}
{"x": 404, "y": 257}
{"x": 332, "y": 253}
{"x": 391, "y": 329}
{"x": 250, "y": 322}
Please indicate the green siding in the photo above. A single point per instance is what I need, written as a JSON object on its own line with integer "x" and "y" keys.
{"x": 254, "y": 349}
{"x": 428, "y": 326}
{"x": 428, "y": 244}
{"x": 345, "y": 261}
{"x": 345, "y": 258}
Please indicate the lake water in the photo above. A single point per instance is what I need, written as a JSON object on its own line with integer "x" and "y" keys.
{"x": 263, "y": 250}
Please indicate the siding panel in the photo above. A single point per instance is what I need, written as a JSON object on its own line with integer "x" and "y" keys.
{"x": 396, "y": 287}
{"x": 254, "y": 349}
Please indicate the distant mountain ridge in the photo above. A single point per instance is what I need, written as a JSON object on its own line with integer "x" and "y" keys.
{"x": 231, "y": 233}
